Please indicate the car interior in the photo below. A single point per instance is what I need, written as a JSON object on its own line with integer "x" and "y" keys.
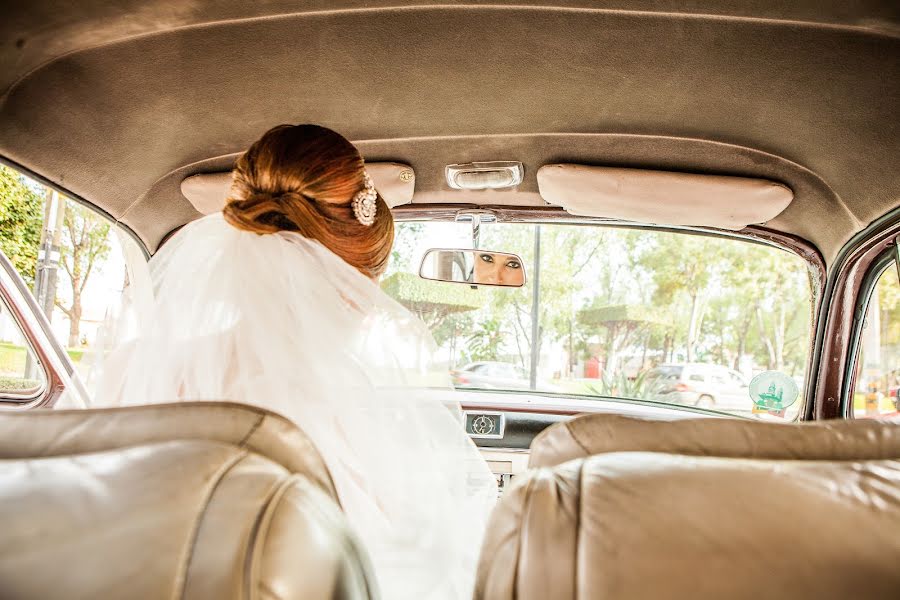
{"x": 763, "y": 133}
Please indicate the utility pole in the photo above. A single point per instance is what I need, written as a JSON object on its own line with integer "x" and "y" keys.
{"x": 535, "y": 308}
{"x": 48, "y": 253}
{"x": 45, "y": 271}
{"x": 39, "y": 266}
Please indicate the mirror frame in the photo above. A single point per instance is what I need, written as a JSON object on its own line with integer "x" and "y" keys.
{"x": 472, "y": 283}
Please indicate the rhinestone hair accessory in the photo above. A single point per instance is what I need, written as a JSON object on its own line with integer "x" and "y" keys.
{"x": 364, "y": 205}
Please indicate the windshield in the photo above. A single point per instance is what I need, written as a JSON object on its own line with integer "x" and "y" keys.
{"x": 631, "y": 313}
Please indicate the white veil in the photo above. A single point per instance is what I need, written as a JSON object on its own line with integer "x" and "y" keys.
{"x": 280, "y": 322}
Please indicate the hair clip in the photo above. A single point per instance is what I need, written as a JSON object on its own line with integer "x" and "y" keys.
{"x": 364, "y": 205}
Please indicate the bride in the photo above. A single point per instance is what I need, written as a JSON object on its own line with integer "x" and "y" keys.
{"x": 275, "y": 302}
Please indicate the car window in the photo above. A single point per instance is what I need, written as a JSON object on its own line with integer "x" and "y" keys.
{"x": 73, "y": 259}
{"x": 875, "y": 393}
{"x": 617, "y": 309}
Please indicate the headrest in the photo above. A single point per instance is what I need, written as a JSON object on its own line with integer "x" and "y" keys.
{"x": 662, "y": 197}
{"x": 207, "y": 192}
{"x": 728, "y": 438}
{"x": 47, "y": 433}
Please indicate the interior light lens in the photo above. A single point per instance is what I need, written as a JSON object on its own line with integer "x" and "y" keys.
{"x": 485, "y": 175}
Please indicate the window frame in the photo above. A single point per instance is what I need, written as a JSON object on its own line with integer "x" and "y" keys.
{"x": 882, "y": 263}
{"x": 35, "y": 397}
{"x": 58, "y": 370}
{"x": 839, "y": 315}
{"x": 61, "y": 372}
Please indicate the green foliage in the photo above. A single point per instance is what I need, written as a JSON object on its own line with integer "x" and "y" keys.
{"x": 17, "y": 384}
{"x": 405, "y": 239}
{"x": 601, "y": 316}
{"x": 423, "y": 296}
{"x": 21, "y": 218}
{"x": 485, "y": 343}
{"x": 619, "y": 385}
{"x": 452, "y": 327}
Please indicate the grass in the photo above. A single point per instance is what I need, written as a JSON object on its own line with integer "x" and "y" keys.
{"x": 13, "y": 358}
{"x": 15, "y": 353}
{"x": 18, "y": 384}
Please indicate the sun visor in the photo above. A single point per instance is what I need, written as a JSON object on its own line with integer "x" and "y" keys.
{"x": 662, "y": 197}
{"x": 207, "y": 192}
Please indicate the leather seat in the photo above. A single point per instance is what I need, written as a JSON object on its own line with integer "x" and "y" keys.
{"x": 729, "y": 438}
{"x": 189, "y": 500}
{"x": 814, "y": 512}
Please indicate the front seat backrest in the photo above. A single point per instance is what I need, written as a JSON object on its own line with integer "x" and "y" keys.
{"x": 587, "y": 435}
{"x": 641, "y": 525}
{"x": 186, "y": 500}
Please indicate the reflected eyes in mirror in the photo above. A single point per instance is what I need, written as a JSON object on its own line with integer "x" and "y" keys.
{"x": 510, "y": 264}
{"x": 475, "y": 267}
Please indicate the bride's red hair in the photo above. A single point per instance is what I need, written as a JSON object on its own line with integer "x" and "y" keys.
{"x": 302, "y": 178}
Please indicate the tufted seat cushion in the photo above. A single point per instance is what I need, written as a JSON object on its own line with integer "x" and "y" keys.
{"x": 187, "y": 500}
{"x": 617, "y": 507}
{"x": 640, "y": 525}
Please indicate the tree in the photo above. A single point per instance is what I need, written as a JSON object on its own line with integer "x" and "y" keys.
{"x": 782, "y": 313}
{"x": 431, "y": 301}
{"x": 406, "y": 238}
{"x": 682, "y": 267}
{"x": 21, "y": 217}
{"x": 485, "y": 344}
{"x": 623, "y": 324}
{"x": 85, "y": 242}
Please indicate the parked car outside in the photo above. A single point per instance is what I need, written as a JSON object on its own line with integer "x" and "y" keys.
{"x": 495, "y": 375}
{"x": 699, "y": 384}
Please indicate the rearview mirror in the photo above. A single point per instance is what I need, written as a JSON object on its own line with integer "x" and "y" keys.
{"x": 475, "y": 267}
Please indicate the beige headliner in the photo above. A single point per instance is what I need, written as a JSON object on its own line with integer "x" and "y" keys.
{"x": 118, "y": 102}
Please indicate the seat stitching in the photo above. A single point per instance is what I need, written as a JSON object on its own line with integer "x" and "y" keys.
{"x": 276, "y": 489}
{"x": 253, "y": 428}
{"x": 261, "y": 531}
{"x": 329, "y": 480}
{"x": 349, "y": 543}
{"x": 578, "y": 510}
{"x": 526, "y": 510}
{"x": 577, "y": 440}
{"x": 182, "y": 571}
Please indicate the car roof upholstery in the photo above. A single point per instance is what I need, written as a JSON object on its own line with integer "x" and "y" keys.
{"x": 117, "y": 102}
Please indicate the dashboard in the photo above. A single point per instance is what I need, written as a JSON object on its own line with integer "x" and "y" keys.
{"x": 504, "y": 424}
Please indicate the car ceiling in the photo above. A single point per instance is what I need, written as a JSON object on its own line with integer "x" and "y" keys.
{"x": 117, "y": 102}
